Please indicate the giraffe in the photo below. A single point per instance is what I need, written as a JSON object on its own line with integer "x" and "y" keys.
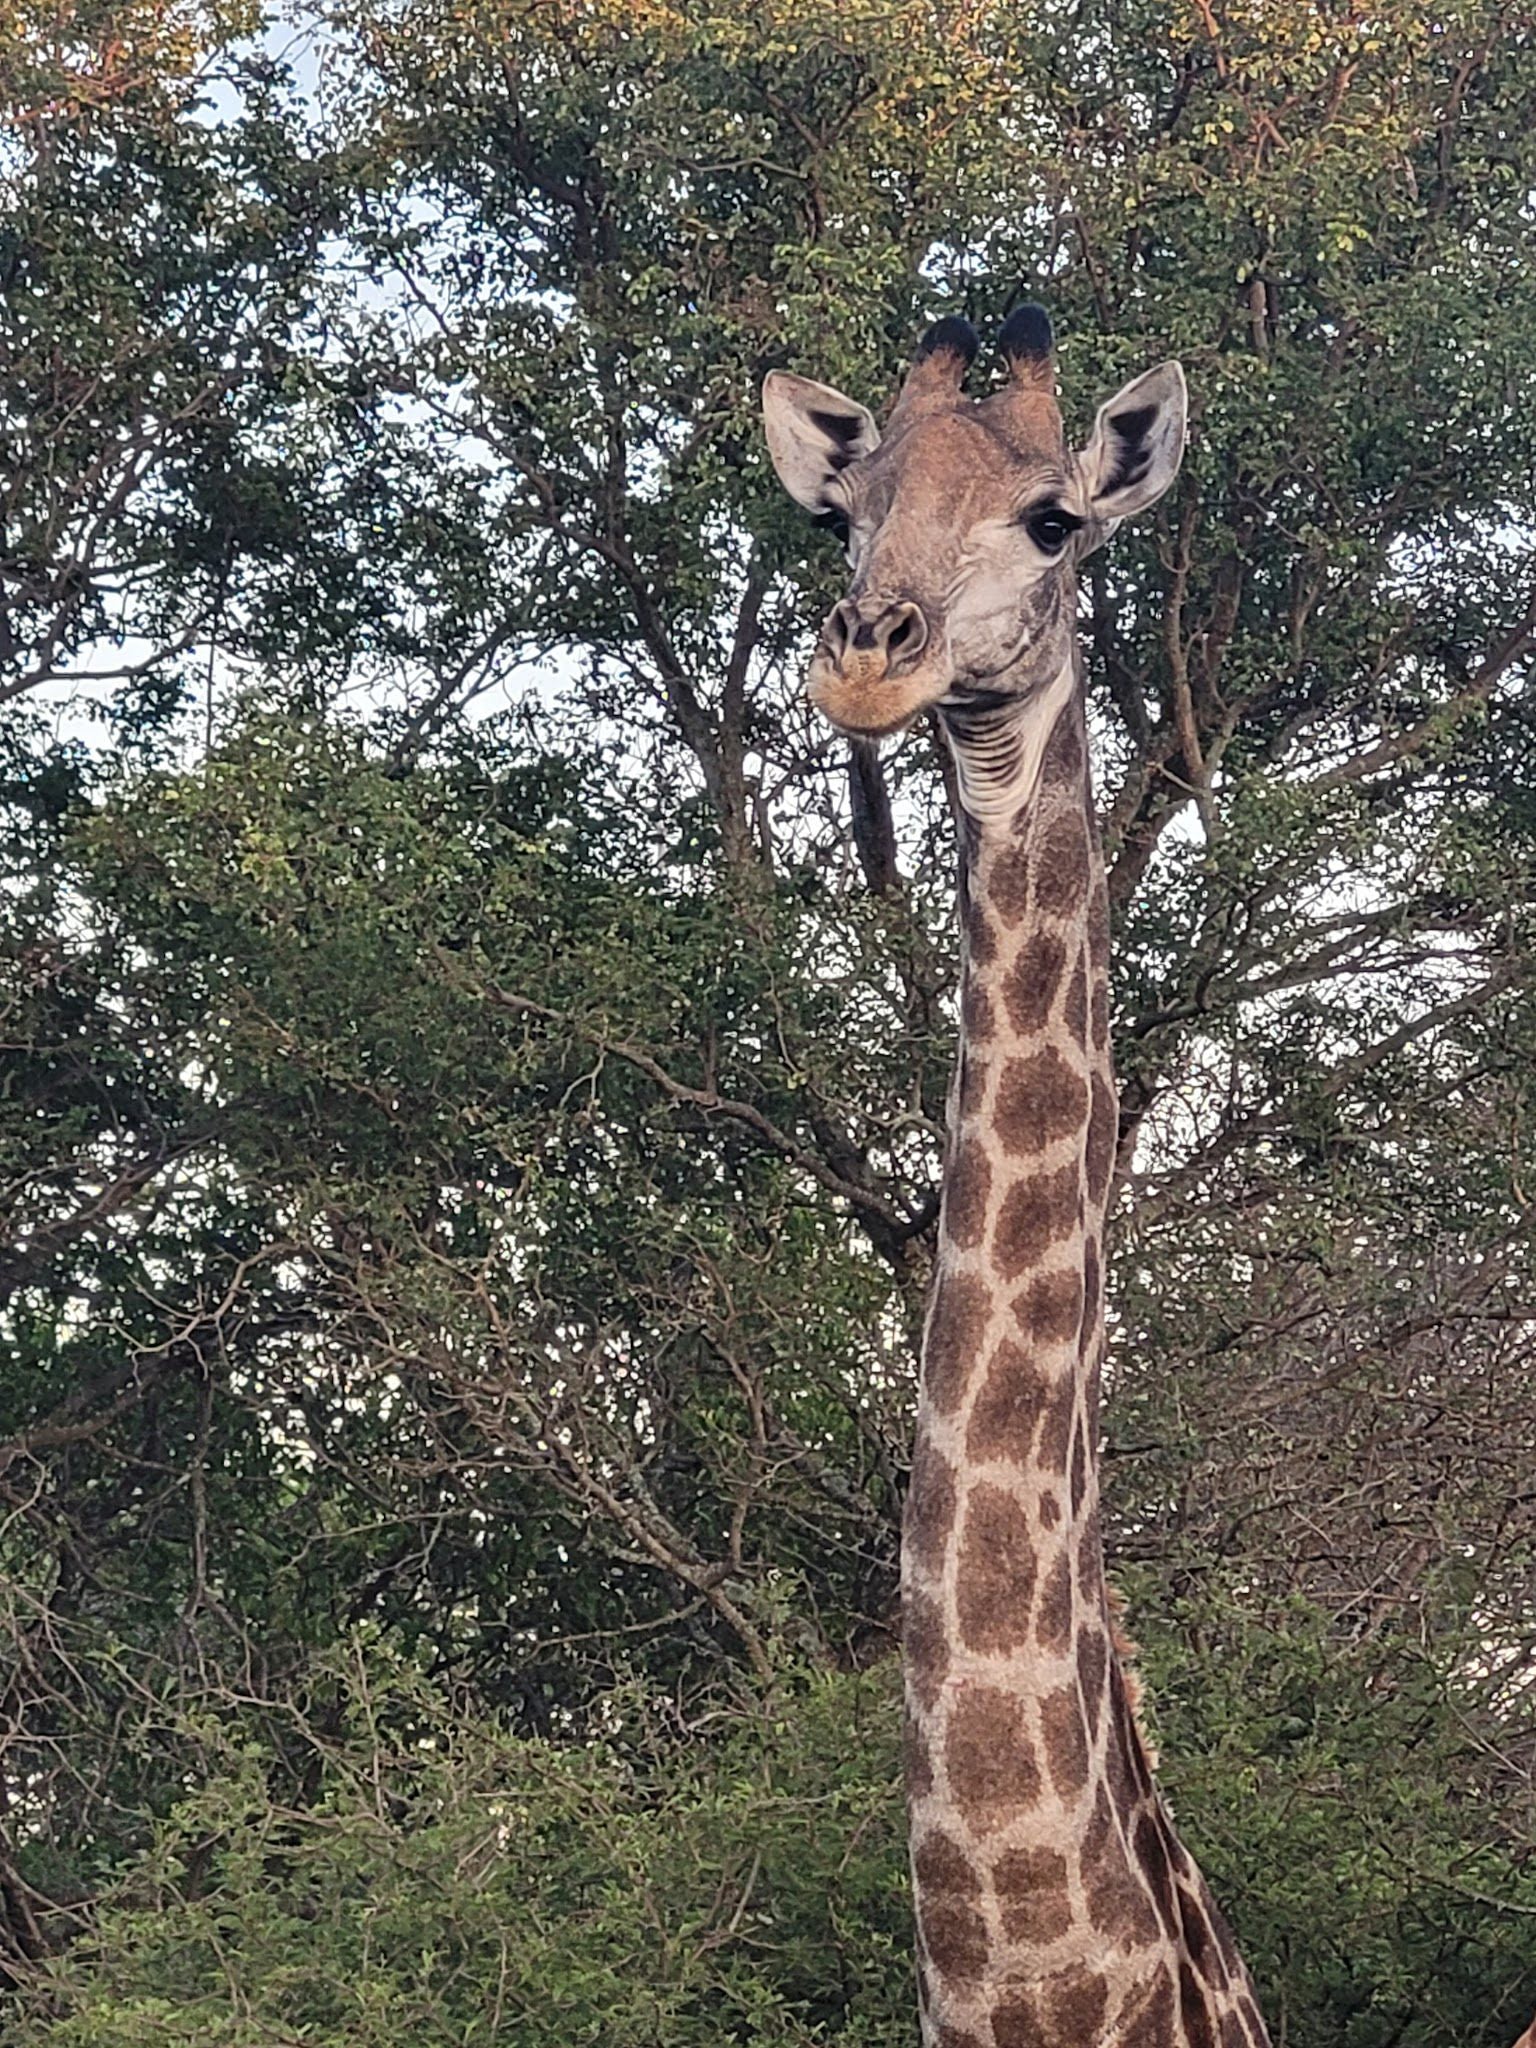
{"x": 1055, "y": 1905}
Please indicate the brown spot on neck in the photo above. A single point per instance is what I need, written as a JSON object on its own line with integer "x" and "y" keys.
{"x": 1030, "y": 984}
{"x": 1036, "y": 1213}
{"x": 1006, "y": 1414}
{"x": 957, "y": 1327}
{"x": 1064, "y": 764}
{"x": 995, "y": 1574}
{"x": 990, "y": 1758}
{"x": 932, "y": 1501}
{"x": 1040, "y": 1099}
{"x": 967, "y": 1191}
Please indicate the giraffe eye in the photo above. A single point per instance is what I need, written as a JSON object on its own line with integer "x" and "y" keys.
{"x": 1050, "y": 528}
{"x": 835, "y": 520}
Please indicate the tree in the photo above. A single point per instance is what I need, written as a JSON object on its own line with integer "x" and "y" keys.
{"x": 478, "y": 1084}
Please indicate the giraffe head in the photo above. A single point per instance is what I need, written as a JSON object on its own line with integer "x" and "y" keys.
{"x": 964, "y": 522}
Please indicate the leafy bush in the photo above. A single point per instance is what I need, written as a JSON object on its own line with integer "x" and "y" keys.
{"x": 444, "y": 1884}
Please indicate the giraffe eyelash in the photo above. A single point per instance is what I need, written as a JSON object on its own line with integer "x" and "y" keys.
{"x": 834, "y": 520}
{"x": 1050, "y": 527}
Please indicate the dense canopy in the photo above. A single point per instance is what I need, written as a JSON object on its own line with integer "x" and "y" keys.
{"x": 475, "y": 1046}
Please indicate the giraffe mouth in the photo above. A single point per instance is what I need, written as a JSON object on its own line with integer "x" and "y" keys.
{"x": 863, "y": 700}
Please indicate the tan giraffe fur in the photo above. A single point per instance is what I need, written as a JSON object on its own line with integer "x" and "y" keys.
{"x": 1056, "y": 1907}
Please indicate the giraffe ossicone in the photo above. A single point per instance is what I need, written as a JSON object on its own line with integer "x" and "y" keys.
{"x": 1056, "y": 1907}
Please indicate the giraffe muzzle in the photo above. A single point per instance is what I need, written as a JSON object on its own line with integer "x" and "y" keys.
{"x": 873, "y": 672}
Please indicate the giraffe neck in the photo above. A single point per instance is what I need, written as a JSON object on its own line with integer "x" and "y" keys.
{"x": 1055, "y": 1906}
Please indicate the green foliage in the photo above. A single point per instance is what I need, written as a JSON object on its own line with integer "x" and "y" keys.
{"x": 474, "y": 1083}
{"x": 445, "y": 1884}
{"x": 1341, "y": 1800}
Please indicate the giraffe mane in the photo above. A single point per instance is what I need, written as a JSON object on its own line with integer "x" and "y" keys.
{"x": 1127, "y": 1650}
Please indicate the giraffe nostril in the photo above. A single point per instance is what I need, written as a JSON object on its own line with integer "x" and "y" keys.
{"x": 839, "y": 630}
{"x": 905, "y": 633}
{"x": 897, "y": 631}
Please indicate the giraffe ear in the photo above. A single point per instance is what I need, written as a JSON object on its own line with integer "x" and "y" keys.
{"x": 813, "y": 432}
{"x": 1137, "y": 442}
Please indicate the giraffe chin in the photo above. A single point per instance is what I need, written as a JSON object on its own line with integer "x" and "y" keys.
{"x": 867, "y": 706}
